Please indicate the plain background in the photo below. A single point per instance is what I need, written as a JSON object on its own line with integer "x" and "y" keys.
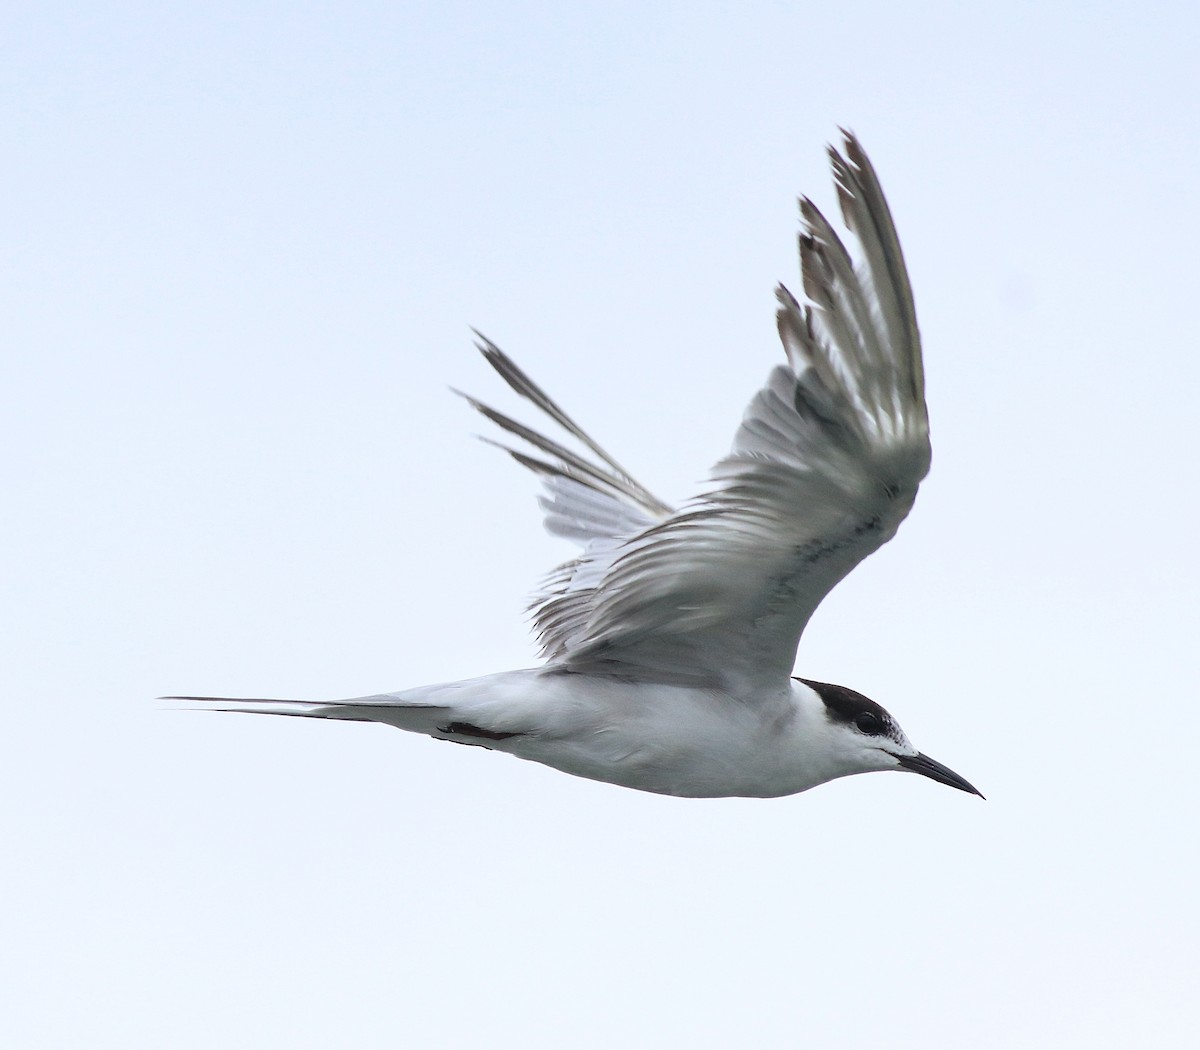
{"x": 244, "y": 244}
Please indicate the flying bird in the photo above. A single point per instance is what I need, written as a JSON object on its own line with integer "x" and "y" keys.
{"x": 669, "y": 642}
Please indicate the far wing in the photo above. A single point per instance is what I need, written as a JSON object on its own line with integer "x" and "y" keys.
{"x": 823, "y": 469}
{"x": 589, "y": 498}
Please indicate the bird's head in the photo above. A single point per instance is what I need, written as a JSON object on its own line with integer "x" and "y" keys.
{"x": 862, "y": 737}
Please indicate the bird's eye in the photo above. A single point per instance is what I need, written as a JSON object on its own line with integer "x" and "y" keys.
{"x": 867, "y": 723}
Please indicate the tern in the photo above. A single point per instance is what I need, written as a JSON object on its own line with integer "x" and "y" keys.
{"x": 669, "y": 642}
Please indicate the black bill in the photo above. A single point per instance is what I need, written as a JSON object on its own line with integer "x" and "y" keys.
{"x": 927, "y": 767}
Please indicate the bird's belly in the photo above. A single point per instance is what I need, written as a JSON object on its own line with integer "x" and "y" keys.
{"x": 669, "y": 740}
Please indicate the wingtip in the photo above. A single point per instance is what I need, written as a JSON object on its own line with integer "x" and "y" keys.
{"x": 474, "y": 402}
{"x": 785, "y": 298}
{"x": 491, "y": 352}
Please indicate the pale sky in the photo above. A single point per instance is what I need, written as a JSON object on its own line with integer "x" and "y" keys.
{"x": 245, "y": 244}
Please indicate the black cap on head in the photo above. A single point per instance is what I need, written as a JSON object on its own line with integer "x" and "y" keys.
{"x": 853, "y": 709}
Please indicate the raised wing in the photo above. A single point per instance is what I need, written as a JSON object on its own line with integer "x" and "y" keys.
{"x": 823, "y": 469}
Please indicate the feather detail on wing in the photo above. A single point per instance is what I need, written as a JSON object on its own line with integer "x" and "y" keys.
{"x": 823, "y": 469}
{"x": 589, "y": 499}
